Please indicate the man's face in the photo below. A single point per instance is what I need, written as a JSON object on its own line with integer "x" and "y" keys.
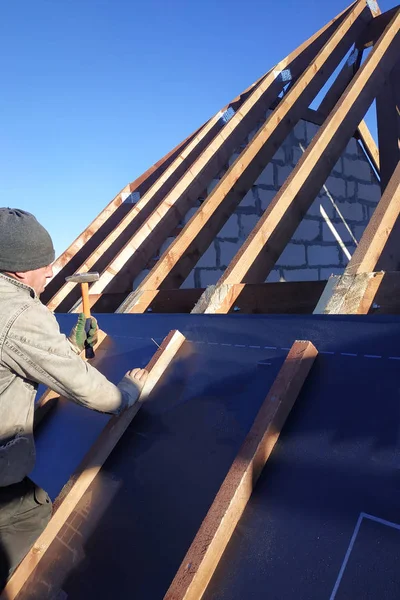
{"x": 37, "y": 279}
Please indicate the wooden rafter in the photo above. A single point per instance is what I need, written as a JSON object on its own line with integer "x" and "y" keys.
{"x": 177, "y": 262}
{"x": 216, "y": 530}
{"x": 260, "y": 251}
{"x": 91, "y": 465}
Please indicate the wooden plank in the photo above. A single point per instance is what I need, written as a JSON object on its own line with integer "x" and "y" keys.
{"x": 115, "y": 240}
{"x": 181, "y": 256}
{"x": 91, "y": 465}
{"x": 275, "y": 228}
{"x": 369, "y": 144}
{"x": 294, "y": 297}
{"x": 216, "y": 530}
{"x": 146, "y": 242}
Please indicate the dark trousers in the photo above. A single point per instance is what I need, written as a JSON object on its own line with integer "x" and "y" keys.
{"x": 25, "y": 510}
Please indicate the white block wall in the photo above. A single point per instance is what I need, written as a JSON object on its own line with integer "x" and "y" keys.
{"x": 345, "y": 204}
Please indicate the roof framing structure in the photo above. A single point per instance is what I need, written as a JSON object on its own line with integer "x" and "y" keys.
{"x": 127, "y": 236}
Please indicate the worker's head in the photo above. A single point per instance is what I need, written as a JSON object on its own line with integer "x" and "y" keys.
{"x": 26, "y": 249}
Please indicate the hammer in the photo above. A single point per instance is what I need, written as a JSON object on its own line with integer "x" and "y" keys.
{"x": 84, "y": 279}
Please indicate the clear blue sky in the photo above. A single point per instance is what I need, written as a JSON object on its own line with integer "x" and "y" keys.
{"x": 95, "y": 91}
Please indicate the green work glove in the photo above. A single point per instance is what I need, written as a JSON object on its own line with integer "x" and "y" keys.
{"x": 82, "y": 333}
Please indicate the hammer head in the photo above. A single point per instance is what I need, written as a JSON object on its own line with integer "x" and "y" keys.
{"x": 88, "y": 277}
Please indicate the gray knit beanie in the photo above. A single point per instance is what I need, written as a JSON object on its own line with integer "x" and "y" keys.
{"x": 25, "y": 245}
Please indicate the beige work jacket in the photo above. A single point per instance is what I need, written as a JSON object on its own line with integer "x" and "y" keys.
{"x": 33, "y": 351}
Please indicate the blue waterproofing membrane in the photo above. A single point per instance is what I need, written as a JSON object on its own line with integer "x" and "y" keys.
{"x": 338, "y": 455}
{"x": 371, "y": 570}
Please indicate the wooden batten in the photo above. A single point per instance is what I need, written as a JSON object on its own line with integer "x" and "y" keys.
{"x": 206, "y": 550}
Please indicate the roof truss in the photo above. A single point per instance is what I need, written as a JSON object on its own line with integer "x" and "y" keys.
{"x": 130, "y": 235}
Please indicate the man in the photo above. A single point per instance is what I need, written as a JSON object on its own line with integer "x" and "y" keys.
{"x": 33, "y": 351}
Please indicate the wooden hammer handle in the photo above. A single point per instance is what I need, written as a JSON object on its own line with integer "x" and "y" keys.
{"x": 85, "y": 299}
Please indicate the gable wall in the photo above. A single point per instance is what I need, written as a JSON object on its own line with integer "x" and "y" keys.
{"x": 347, "y": 202}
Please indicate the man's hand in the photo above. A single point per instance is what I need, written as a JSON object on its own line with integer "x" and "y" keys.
{"x": 132, "y": 384}
{"x": 139, "y": 376}
{"x": 79, "y": 336}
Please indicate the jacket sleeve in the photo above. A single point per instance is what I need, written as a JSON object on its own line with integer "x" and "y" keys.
{"x": 36, "y": 350}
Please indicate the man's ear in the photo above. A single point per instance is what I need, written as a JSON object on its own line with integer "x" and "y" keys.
{"x": 21, "y": 276}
